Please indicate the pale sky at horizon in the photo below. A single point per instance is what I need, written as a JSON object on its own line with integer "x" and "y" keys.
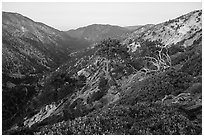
{"x": 65, "y": 16}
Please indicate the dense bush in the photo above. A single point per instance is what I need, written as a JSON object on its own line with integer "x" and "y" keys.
{"x": 16, "y": 98}
{"x": 139, "y": 119}
{"x": 111, "y": 49}
{"x": 140, "y": 108}
{"x": 148, "y": 48}
{"x": 57, "y": 87}
{"x": 139, "y": 111}
{"x": 175, "y": 49}
{"x": 103, "y": 88}
{"x": 160, "y": 119}
{"x": 193, "y": 66}
{"x": 155, "y": 87}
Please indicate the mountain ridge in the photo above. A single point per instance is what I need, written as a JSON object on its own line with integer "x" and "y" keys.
{"x": 118, "y": 87}
{"x": 98, "y": 32}
{"x": 20, "y": 29}
{"x": 174, "y": 30}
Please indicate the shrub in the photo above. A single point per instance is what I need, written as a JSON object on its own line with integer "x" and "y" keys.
{"x": 139, "y": 119}
{"x": 111, "y": 49}
{"x": 155, "y": 87}
{"x": 193, "y": 66}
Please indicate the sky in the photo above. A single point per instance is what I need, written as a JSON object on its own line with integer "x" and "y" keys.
{"x": 66, "y": 15}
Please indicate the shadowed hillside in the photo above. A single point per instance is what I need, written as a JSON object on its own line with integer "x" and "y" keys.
{"x": 143, "y": 84}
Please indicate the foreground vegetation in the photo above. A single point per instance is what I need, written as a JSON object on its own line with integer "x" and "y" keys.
{"x": 156, "y": 96}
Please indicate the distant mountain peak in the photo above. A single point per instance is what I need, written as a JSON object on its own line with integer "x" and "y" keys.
{"x": 97, "y": 32}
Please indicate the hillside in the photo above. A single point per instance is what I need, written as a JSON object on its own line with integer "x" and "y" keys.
{"x": 29, "y": 49}
{"x": 182, "y": 31}
{"x": 143, "y": 85}
{"x": 106, "y": 92}
{"x": 32, "y": 47}
{"x": 97, "y": 32}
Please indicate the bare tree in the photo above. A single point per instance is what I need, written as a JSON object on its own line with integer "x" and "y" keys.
{"x": 161, "y": 62}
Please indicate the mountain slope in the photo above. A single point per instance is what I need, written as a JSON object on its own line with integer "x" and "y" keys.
{"x": 106, "y": 92}
{"x": 183, "y": 31}
{"x": 137, "y": 87}
{"x": 30, "y": 46}
{"x": 29, "y": 49}
{"x": 98, "y": 32}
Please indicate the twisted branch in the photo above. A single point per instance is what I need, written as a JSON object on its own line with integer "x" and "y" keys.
{"x": 162, "y": 61}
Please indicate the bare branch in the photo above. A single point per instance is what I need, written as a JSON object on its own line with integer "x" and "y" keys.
{"x": 161, "y": 61}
